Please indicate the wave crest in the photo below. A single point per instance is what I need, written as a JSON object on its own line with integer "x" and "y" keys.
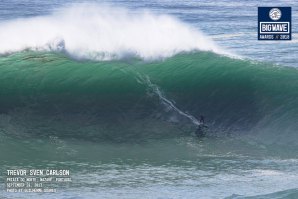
{"x": 100, "y": 32}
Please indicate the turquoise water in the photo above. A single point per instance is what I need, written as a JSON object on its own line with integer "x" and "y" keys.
{"x": 114, "y": 94}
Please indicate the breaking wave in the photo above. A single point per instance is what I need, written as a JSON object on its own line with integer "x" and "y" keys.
{"x": 100, "y": 32}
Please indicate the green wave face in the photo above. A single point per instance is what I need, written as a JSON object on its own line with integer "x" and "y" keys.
{"x": 118, "y": 101}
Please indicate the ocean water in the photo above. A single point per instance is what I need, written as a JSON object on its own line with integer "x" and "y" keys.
{"x": 112, "y": 91}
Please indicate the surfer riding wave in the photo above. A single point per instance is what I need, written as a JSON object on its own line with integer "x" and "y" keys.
{"x": 201, "y": 130}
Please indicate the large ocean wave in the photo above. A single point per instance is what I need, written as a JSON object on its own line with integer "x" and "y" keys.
{"x": 49, "y": 94}
{"x": 140, "y": 78}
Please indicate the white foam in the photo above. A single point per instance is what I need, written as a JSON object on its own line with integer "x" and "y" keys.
{"x": 93, "y": 31}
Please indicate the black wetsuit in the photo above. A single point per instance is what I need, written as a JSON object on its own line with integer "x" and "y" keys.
{"x": 202, "y": 120}
{"x": 200, "y": 130}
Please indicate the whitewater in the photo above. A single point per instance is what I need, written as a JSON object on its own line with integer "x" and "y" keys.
{"x": 96, "y": 32}
{"x": 113, "y": 91}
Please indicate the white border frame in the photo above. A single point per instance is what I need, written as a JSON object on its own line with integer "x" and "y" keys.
{"x": 288, "y": 32}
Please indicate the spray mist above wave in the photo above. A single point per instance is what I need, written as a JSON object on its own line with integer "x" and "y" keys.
{"x": 92, "y": 31}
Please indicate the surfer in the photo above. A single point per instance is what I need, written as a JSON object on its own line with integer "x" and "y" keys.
{"x": 202, "y": 120}
{"x": 200, "y": 130}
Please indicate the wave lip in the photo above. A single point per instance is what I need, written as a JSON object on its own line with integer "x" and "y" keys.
{"x": 100, "y": 32}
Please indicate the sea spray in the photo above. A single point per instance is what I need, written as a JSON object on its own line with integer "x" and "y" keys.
{"x": 100, "y": 32}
